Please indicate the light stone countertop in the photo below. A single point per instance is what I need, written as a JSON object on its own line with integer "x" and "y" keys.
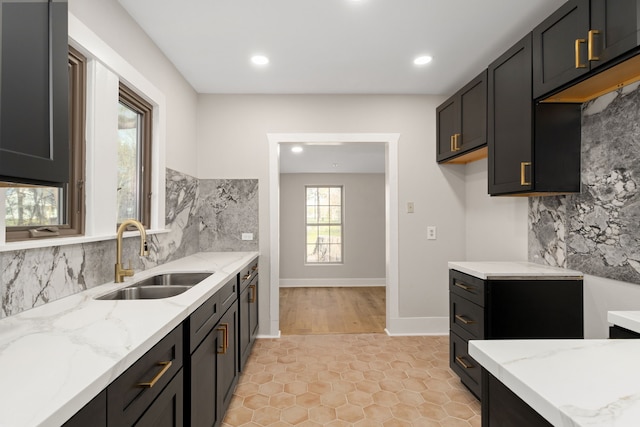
{"x": 504, "y": 270}
{"x": 626, "y": 319}
{"x": 569, "y": 382}
{"x": 56, "y": 357}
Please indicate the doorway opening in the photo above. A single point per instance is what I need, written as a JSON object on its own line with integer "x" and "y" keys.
{"x": 340, "y": 296}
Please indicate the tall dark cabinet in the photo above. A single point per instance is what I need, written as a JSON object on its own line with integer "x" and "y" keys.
{"x": 248, "y": 311}
{"x": 34, "y": 92}
{"x": 534, "y": 148}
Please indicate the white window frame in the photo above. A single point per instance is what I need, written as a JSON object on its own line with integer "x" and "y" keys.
{"x": 306, "y": 224}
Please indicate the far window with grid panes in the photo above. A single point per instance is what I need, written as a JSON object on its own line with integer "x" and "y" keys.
{"x": 324, "y": 224}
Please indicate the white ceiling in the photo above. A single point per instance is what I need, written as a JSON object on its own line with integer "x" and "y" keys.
{"x": 334, "y": 46}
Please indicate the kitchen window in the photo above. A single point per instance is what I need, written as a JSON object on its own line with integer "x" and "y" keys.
{"x": 324, "y": 224}
{"x": 134, "y": 157}
{"x": 38, "y": 211}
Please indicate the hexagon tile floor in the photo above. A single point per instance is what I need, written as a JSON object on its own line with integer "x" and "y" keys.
{"x": 365, "y": 380}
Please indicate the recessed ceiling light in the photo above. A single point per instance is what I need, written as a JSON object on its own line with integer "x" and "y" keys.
{"x": 422, "y": 60}
{"x": 259, "y": 60}
{"x": 296, "y": 149}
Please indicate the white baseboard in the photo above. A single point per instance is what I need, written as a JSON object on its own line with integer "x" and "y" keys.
{"x": 331, "y": 283}
{"x": 418, "y": 326}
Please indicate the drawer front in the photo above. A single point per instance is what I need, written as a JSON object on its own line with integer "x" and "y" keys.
{"x": 465, "y": 316}
{"x": 248, "y": 273}
{"x": 466, "y": 286}
{"x": 228, "y": 294}
{"x": 203, "y": 319}
{"x": 465, "y": 366}
{"x": 129, "y": 396}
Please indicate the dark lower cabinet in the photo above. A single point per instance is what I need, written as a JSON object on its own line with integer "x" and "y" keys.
{"x": 503, "y": 408}
{"x": 93, "y": 414}
{"x": 167, "y": 410}
{"x": 248, "y": 312}
{"x": 227, "y": 362}
{"x": 618, "y": 332}
{"x": 508, "y": 309}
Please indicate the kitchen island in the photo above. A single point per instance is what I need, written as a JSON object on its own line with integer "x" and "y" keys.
{"x": 55, "y": 358}
{"x": 567, "y": 382}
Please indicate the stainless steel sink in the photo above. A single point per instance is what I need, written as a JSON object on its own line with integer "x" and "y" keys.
{"x": 157, "y": 287}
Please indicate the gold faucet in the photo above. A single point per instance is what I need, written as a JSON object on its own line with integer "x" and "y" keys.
{"x": 121, "y": 273}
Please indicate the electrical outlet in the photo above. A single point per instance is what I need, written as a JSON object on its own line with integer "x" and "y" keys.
{"x": 409, "y": 207}
{"x": 247, "y": 236}
{"x": 431, "y": 232}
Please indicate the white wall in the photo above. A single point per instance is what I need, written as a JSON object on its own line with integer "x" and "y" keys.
{"x": 363, "y": 227}
{"x": 115, "y": 27}
{"x": 232, "y": 143}
{"x": 496, "y": 227}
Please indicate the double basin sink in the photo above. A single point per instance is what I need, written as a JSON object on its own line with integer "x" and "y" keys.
{"x": 156, "y": 287}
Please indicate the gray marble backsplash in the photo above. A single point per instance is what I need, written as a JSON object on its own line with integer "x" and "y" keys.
{"x": 598, "y": 230}
{"x": 202, "y": 216}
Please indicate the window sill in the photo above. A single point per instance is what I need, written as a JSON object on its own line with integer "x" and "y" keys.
{"x": 63, "y": 241}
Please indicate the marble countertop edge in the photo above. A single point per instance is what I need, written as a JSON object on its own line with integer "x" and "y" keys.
{"x": 505, "y": 270}
{"x": 626, "y": 319}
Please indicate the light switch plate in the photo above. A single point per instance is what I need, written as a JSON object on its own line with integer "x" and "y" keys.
{"x": 247, "y": 236}
{"x": 409, "y": 207}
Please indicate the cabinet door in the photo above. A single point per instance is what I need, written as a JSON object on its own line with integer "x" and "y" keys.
{"x": 167, "y": 409}
{"x": 227, "y": 360}
{"x": 615, "y": 26}
{"x": 560, "y": 47}
{"x": 473, "y": 113}
{"x": 34, "y": 128}
{"x": 253, "y": 310}
{"x": 446, "y": 127}
{"x": 203, "y": 382}
{"x": 248, "y": 319}
{"x": 510, "y": 132}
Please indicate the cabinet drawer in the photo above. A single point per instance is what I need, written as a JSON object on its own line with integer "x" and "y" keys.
{"x": 131, "y": 393}
{"x": 465, "y": 366}
{"x": 465, "y": 316}
{"x": 228, "y": 294}
{"x": 466, "y": 286}
{"x": 248, "y": 273}
{"x": 203, "y": 319}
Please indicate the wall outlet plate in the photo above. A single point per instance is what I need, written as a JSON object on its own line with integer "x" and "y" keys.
{"x": 247, "y": 236}
{"x": 431, "y": 232}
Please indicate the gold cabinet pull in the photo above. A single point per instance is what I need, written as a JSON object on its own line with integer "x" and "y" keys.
{"x": 254, "y": 268}
{"x": 463, "y": 363}
{"x": 224, "y": 328}
{"x": 463, "y": 286}
{"x": 165, "y": 367}
{"x": 246, "y": 276}
{"x": 579, "y": 63}
{"x": 456, "y": 147}
{"x": 590, "y": 43}
{"x": 465, "y": 320}
{"x": 452, "y": 144}
{"x": 523, "y": 179}
{"x": 252, "y": 296}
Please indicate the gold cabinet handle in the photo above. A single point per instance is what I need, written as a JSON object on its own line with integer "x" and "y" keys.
{"x": 463, "y": 286}
{"x": 523, "y": 179}
{"x": 579, "y": 63}
{"x": 452, "y": 144}
{"x": 254, "y": 268}
{"x": 463, "y": 363}
{"x": 590, "y": 43}
{"x": 246, "y": 276}
{"x": 224, "y": 328}
{"x": 165, "y": 367}
{"x": 252, "y": 296}
{"x": 456, "y": 147}
{"x": 465, "y": 320}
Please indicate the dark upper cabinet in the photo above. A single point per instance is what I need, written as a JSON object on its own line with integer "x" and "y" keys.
{"x": 560, "y": 47}
{"x": 534, "y": 149}
{"x": 34, "y": 135}
{"x": 461, "y": 123}
{"x": 581, "y": 36}
{"x": 615, "y": 29}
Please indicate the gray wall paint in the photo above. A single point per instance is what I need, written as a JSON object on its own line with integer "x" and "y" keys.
{"x": 364, "y": 226}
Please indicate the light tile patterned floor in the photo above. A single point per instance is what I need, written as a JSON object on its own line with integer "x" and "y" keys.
{"x": 363, "y": 380}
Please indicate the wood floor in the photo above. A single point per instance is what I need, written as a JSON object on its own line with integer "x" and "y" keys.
{"x": 308, "y": 311}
